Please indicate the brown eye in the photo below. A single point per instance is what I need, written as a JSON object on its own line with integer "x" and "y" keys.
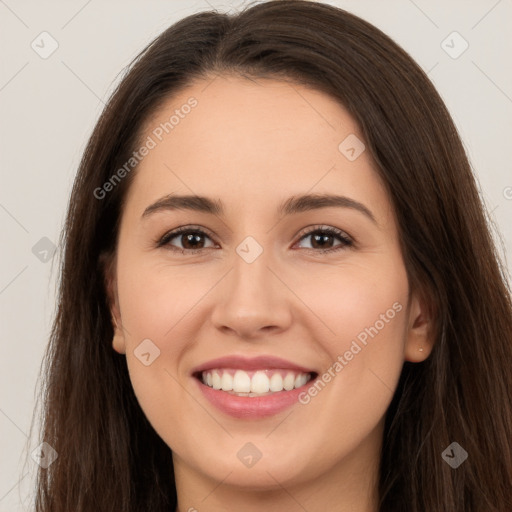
{"x": 191, "y": 240}
{"x": 324, "y": 238}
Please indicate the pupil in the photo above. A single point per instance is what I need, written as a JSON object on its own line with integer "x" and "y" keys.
{"x": 190, "y": 238}
{"x": 316, "y": 238}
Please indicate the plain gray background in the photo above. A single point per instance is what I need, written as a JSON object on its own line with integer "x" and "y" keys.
{"x": 48, "y": 107}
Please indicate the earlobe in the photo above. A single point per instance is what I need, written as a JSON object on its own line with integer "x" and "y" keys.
{"x": 118, "y": 341}
{"x": 419, "y": 342}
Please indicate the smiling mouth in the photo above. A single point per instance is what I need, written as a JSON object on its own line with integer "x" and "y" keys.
{"x": 254, "y": 383}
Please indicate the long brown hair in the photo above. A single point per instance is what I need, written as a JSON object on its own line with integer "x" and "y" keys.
{"x": 109, "y": 456}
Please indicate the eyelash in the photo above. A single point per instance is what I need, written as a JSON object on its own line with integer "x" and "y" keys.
{"x": 341, "y": 235}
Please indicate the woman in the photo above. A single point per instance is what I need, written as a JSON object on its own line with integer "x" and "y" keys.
{"x": 279, "y": 290}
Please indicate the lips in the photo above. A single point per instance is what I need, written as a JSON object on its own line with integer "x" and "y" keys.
{"x": 252, "y": 387}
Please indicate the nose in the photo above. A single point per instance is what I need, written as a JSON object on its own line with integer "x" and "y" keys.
{"x": 253, "y": 301}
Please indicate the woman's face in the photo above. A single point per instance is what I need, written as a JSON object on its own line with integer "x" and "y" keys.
{"x": 269, "y": 299}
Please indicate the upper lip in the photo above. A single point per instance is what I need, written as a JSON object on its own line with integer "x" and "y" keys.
{"x": 262, "y": 362}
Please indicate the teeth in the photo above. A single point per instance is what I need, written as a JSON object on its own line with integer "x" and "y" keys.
{"x": 260, "y": 383}
{"x": 226, "y": 382}
{"x": 241, "y": 382}
{"x": 257, "y": 383}
{"x": 276, "y": 382}
{"x": 300, "y": 380}
{"x": 216, "y": 380}
{"x": 289, "y": 381}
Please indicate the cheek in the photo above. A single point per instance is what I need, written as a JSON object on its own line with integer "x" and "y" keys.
{"x": 155, "y": 299}
{"x": 361, "y": 302}
{"x": 156, "y": 302}
{"x": 365, "y": 311}
{"x": 155, "y": 307}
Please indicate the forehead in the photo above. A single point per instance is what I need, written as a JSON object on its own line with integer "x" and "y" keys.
{"x": 234, "y": 138}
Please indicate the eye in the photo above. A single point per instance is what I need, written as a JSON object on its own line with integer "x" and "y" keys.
{"x": 322, "y": 237}
{"x": 189, "y": 237}
{"x": 192, "y": 239}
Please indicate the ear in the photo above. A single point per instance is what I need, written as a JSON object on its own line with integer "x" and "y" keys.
{"x": 419, "y": 340}
{"x": 108, "y": 263}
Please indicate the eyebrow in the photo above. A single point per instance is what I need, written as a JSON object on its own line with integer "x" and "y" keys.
{"x": 292, "y": 205}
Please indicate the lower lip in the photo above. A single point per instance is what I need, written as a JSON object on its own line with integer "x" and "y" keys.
{"x": 252, "y": 407}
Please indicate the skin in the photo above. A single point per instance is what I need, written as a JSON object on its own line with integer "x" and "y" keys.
{"x": 253, "y": 144}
